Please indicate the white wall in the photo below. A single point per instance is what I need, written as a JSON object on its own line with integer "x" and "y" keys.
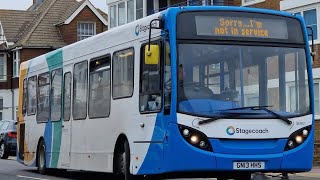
{"x": 6, "y": 95}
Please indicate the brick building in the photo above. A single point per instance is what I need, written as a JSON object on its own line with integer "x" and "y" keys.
{"x": 47, "y": 25}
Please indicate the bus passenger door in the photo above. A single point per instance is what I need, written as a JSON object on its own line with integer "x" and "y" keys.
{"x": 66, "y": 120}
{"x": 152, "y": 132}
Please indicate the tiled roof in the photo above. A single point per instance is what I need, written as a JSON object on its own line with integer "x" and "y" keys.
{"x": 69, "y": 12}
{"x": 36, "y": 28}
{"x": 15, "y": 22}
{"x": 104, "y": 15}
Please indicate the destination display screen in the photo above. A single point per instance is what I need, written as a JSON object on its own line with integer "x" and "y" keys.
{"x": 239, "y": 26}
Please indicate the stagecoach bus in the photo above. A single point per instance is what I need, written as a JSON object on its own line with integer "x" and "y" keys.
{"x": 190, "y": 91}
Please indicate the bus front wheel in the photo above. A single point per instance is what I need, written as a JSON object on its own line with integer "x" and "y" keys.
{"x": 124, "y": 162}
{"x": 41, "y": 160}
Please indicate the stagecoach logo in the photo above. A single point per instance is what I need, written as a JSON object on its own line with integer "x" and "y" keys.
{"x": 231, "y": 131}
{"x": 143, "y": 28}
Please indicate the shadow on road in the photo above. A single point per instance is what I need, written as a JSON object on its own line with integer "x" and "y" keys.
{"x": 77, "y": 175}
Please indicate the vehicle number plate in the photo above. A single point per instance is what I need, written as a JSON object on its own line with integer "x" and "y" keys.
{"x": 248, "y": 165}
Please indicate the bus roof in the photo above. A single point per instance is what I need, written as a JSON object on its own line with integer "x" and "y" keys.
{"x": 132, "y": 31}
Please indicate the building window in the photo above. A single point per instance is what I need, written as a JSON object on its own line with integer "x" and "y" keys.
{"x": 130, "y": 11}
{"x": 150, "y": 7}
{"x": 316, "y": 99}
{"x": 3, "y": 67}
{"x": 16, "y": 63}
{"x": 251, "y": 2}
{"x": 123, "y": 73}
{"x": 310, "y": 18}
{"x": 86, "y": 30}
{"x": 113, "y": 16}
{"x": 139, "y": 9}
{"x": 121, "y": 13}
{"x": 99, "y": 87}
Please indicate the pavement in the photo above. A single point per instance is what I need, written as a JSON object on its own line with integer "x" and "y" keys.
{"x": 313, "y": 174}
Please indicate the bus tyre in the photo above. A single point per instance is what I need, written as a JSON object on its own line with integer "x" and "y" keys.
{"x": 41, "y": 158}
{"x": 124, "y": 162}
{"x": 3, "y": 153}
{"x": 246, "y": 176}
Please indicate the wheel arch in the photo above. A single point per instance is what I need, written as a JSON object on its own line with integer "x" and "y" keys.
{"x": 118, "y": 148}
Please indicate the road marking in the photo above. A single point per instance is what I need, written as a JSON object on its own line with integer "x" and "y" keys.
{"x": 27, "y": 177}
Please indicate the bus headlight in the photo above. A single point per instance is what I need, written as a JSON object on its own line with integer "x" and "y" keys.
{"x": 297, "y": 138}
{"x": 195, "y": 138}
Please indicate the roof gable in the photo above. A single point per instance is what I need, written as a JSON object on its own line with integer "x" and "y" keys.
{"x": 69, "y": 17}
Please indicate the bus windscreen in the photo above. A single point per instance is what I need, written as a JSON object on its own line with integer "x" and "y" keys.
{"x": 241, "y": 26}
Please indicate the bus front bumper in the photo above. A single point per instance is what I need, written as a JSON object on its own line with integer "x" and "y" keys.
{"x": 180, "y": 156}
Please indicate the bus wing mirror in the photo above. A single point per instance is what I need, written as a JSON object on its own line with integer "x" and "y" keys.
{"x": 310, "y": 34}
{"x": 151, "y": 54}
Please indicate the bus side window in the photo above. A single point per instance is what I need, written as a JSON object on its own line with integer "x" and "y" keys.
{"x": 150, "y": 84}
{"x": 122, "y": 73}
{"x": 43, "y": 95}
{"x": 32, "y": 95}
{"x": 67, "y": 96}
{"x": 99, "y": 87}
{"x": 24, "y": 98}
{"x": 80, "y": 85}
{"x": 56, "y": 87}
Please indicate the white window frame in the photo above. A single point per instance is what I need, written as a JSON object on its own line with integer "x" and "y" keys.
{"x": 134, "y": 13}
{"x": 16, "y": 59}
{"x": 87, "y": 36}
{"x": 109, "y": 17}
{"x": 125, "y": 12}
{"x": 243, "y": 3}
{"x": 317, "y": 116}
{"x": 3, "y": 77}
{"x": 144, "y": 9}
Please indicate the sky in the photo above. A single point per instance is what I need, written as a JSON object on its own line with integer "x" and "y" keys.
{"x": 24, "y": 4}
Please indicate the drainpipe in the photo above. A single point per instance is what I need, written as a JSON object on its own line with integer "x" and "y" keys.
{"x": 12, "y": 98}
{"x": 12, "y": 101}
{"x": 11, "y": 88}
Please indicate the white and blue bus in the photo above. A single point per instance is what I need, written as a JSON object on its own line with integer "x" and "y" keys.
{"x": 214, "y": 91}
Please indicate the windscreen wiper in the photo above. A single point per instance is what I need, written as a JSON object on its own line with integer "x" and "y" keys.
{"x": 218, "y": 117}
{"x": 228, "y": 115}
{"x": 286, "y": 120}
